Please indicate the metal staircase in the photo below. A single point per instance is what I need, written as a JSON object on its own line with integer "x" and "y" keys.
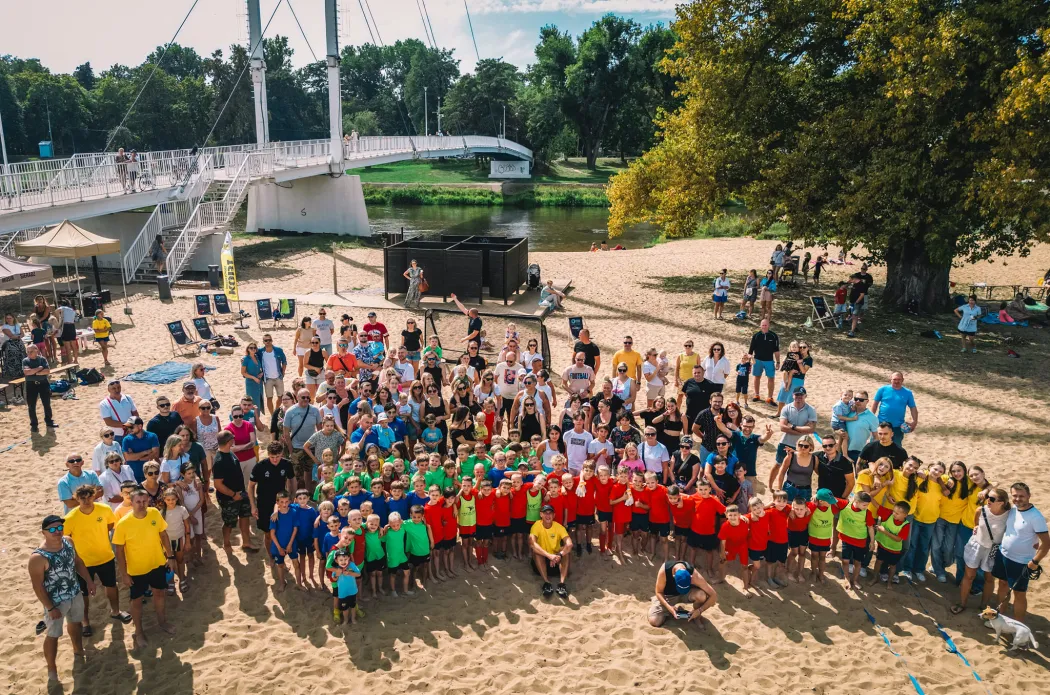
{"x": 7, "y": 242}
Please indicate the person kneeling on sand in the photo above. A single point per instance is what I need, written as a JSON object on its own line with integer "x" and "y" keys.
{"x": 677, "y": 582}
{"x": 551, "y": 547}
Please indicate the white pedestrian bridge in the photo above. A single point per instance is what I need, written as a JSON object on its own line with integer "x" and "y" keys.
{"x": 195, "y": 192}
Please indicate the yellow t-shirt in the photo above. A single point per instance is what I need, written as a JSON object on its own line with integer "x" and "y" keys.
{"x": 926, "y": 506}
{"x": 866, "y": 477}
{"x": 897, "y": 490}
{"x": 971, "y": 507}
{"x": 90, "y": 533}
{"x": 632, "y": 359}
{"x": 686, "y": 364}
{"x": 101, "y": 327}
{"x": 141, "y": 541}
{"x": 953, "y": 508}
{"x": 549, "y": 539}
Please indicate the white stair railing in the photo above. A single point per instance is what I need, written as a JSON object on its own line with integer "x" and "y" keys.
{"x": 7, "y": 244}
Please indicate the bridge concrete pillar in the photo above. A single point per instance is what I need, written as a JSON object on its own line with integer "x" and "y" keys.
{"x": 314, "y": 205}
{"x": 258, "y": 67}
{"x": 335, "y": 98}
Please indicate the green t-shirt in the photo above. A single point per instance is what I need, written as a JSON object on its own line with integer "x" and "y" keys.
{"x": 436, "y": 350}
{"x": 373, "y": 546}
{"x": 472, "y": 461}
{"x": 417, "y": 539}
{"x": 395, "y": 547}
{"x": 340, "y": 481}
{"x": 439, "y": 478}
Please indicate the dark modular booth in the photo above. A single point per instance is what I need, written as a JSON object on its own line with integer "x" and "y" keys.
{"x": 461, "y": 265}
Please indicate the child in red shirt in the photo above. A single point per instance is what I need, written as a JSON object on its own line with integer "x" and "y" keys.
{"x": 733, "y": 540}
{"x": 621, "y": 512}
{"x": 568, "y": 491}
{"x": 639, "y": 515}
{"x": 450, "y": 521}
{"x": 434, "y": 514}
{"x": 556, "y": 499}
{"x": 659, "y": 515}
{"x": 501, "y": 518}
{"x": 602, "y": 484}
{"x": 757, "y": 541}
{"x": 798, "y": 535}
{"x": 519, "y": 528}
{"x": 682, "y": 508}
{"x": 583, "y": 491}
{"x": 486, "y": 511}
{"x": 777, "y": 550}
{"x": 702, "y": 534}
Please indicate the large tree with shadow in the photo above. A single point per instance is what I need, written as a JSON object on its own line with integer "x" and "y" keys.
{"x": 917, "y": 128}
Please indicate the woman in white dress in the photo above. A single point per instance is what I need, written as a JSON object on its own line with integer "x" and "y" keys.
{"x": 716, "y": 366}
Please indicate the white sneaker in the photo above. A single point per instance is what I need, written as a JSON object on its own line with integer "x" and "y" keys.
{"x": 905, "y": 575}
{"x": 884, "y": 577}
{"x": 942, "y": 579}
{"x": 921, "y": 576}
{"x": 864, "y": 571}
{"x": 896, "y": 579}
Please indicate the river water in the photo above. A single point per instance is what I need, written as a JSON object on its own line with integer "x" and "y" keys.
{"x": 548, "y": 229}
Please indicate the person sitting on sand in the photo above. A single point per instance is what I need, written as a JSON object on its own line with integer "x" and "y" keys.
{"x": 677, "y": 582}
{"x": 551, "y": 547}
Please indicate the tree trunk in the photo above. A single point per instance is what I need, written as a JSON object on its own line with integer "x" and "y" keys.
{"x": 912, "y": 276}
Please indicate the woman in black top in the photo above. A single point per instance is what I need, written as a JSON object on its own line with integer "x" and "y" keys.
{"x": 685, "y": 467}
{"x": 412, "y": 341}
{"x": 670, "y": 425}
{"x": 462, "y": 397}
{"x": 435, "y": 405}
{"x": 462, "y": 429}
{"x": 314, "y": 364}
{"x": 529, "y": 423}
{"x": 603, "y": 417}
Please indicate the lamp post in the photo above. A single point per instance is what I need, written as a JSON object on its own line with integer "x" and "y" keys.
{"x": 426, "y": 115}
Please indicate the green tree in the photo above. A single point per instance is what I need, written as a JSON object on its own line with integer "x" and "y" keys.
{"x": 85, "y": 76}
{"x": 909, "y": 128}
{"x": 475, "y": 103}
{"x": 364, "y": 122}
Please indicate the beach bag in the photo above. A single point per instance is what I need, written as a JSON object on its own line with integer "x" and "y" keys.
{"x": 60, "y": 386}
{"x": 89, "y": 377}
{"x": 994, "y": 552}
{"x": 424, "y": 286}
{"x": 228, "y": 341}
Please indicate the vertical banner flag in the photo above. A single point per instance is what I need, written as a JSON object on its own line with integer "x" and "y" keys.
{"x": 229, "y": 271}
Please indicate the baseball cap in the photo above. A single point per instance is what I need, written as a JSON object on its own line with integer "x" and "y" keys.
{"x": 133, "y": 421}
{"x": 371, "y": 314}
{"x": 55, "y": 519}
{"x": 546, "y": 508}
{"x": 800, "y": 391}
{"x": 346, "y": 317}
{"x": 683, "y": 580}
{"x": 382, "y": 417}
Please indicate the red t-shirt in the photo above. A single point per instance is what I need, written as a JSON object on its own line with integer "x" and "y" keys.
{"x": 869, "y": 521}
{"x": 358, "y": 544}
{"x": 241, "y": 435}
{"x": 734, "y": 536}
{"x": 706, "y": 511}
{"x": 450, "y": 519}
{"x": 571, "y": 501}
{"x": 620, "y": 511}
{"x": 683, "y": 515}
{"x": 602, "y": 493}
{"x": 558, "y": 502}
{"x": 518, "y": 504}
{"x": 485, "y": 507}
{"x": 377, "y": 326}
{"x": 758, "y": 533}
{"x": 585, "y": 504}
{"x": 778, "y": 523}
{"x": 802, "y": 524}
{"x": 659, "y": 505}
{"x": 434, "y": 516}
{"x": 642, "y": 496}
{"x": 501, "y": 510}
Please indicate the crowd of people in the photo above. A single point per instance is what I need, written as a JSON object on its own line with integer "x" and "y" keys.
{"x": 387, "y": 463}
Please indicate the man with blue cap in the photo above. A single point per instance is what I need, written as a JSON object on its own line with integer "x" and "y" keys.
{"x": 678, "y": 582}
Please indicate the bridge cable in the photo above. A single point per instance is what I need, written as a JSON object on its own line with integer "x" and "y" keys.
{"x": 492, "y": 115}
{"x": 289, "y": 3}
{"x": 381, "y": 43}
{"x": 427, "y": 13}
{"x": 113, "y": 133}
{"x": 367, "y": 25}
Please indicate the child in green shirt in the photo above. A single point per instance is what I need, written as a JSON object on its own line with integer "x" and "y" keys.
{"x": 394, "y": 540}
{"x": 374, "y": 555}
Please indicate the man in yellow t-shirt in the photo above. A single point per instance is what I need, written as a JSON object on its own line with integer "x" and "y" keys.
{"x": 144, "y": 555}
{"x": 631, "y": 357}
{"x": 551, "y": 547}
{"x": 88, "y": 526}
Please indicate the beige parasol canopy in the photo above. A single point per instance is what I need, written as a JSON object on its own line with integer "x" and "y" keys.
{"x": 66, "y": 240}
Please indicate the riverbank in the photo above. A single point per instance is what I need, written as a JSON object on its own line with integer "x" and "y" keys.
{"x": 487, "y": 195}
{"x": 455, "y": 171}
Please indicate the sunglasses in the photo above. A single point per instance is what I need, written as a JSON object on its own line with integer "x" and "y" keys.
{"x": 304, "y": 398}
{"x": 530, "y": 405}
{"x": 650, "y": 434}
{"x": 267, "y": 340}
{"x": 721, "y": 443}
{"x": 164, "y": 405}
{"x": 622, "y": 371}
{"x": 628, "y": 342}
{"x": 859, "y": 400}
{"x": 804, "y": 446}
{"x": 828, "y": 446}
{"x": 153, "y": 473}
{"x": 992, "y": 498}
{"x": 76, "y": 460}
{"x": 55, "y": 529}
{"x": 716, "y": 349}
{"x": 205, "y": 408}
{"x": 689, "y": 345}
{"x": 238, "y": 416}
{"x": 107, "y": 435}
{"x": 488, "y": 378}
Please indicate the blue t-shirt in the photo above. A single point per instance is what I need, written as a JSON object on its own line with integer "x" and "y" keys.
{"x": 968, "y": 322}
{"x": 840, "y": 410}
{"x": 745, "y": 450}
{"x": 731, "y": 461}
{"x": 414, "y": 499}
{"x": 305, "y": 517}
{"x": 354, "y": 500}
{"x": 67, "y": 484}
{"x": 136, "y": 445}
{"x": 496, "y": 475}
{"x": 283, "y": 527}
{"x": 354, "y": 403}
{"x": 380, "y": 508}
{"x": 399, "y": 428}
{"x": 319, "y": 532}
{"x": 385, "y": 437}
{"x": 893, "y": 404}
{"x": 365, "y": 438}
{"x": 743, "y": 370}
{"x": 328, "y": 542}
{"x": 432, "y": 436}
{"x": 400, "y": 506}
{"x": 346, "y": 585}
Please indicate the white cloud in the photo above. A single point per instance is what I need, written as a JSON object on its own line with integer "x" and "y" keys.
{"x": 573, "y": 6}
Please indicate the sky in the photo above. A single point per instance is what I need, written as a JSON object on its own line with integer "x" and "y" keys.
{"x": 66, "y": 33}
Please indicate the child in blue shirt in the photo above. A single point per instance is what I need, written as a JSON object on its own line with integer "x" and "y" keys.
{"x": 354, "y": 494}
{"x": 325, "y": 511}
{"x": 386, "y": 435}
{"x": 283, "y": 530}
{"x": 841, "y": 413}
{"x": 345, "y": 574}
{"x": 378, "y": 500}
{"x": 419, "y": 494}
{"x": 397, "y": 502}
{"x": 331, "y": 537}
{"x": 304, "y": 537}
{"x": 432, "y": 436}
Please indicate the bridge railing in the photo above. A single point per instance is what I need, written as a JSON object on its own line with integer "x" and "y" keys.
{"x": 368, "y": 146}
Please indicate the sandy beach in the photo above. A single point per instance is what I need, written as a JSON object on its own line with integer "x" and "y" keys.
{"x": 490, "y": 630}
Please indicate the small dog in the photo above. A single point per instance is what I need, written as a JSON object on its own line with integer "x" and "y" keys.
{"x": 1023, "y": 638}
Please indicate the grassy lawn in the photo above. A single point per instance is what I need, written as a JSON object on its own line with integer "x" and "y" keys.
{"x": 259, "y": 248}
{"x": 465, "y": 171}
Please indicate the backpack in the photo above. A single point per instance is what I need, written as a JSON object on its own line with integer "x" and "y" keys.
{"x": 89, "y": 377}
{"x": 229, "y": 341}
{"x": 60, "y": 386}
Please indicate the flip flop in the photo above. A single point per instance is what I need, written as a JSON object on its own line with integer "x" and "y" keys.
{"x": 562, "y": 591}
{"x": 86, "y": 631}
{"x": 547, "y": 589}
{"x": 122, "y": 616}
{"x": 957, "y": 609}
{"x": 40, "y": 627}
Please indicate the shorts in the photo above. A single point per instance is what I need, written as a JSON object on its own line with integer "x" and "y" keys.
{"x": 968, "y": 333}
{"x": 840, "y": 308}
{"x": 764, "y": 368}
{"x": 467, "y": 531}
{"x": 176, "y": 545}
{"x": 741, "y": 384}
{"x": 278, "y": 558}
{"x": 703, "y": 541}
{"x": 519, "y": 526}
{"x": 1015, "y": 574}
{"x": 756, "y": 555}
{"x": 413, "y": 355}
{"x": 604, "y": 517}
{"x": 853, "y": 553}
{"x": 681, "y": 533}
{"x": 798, "y": 539}
{"x": 838, "y": 426}
{"x": 888, "y": 558}
{"x": 508, "y": 403}
{"x": 69, "y": 333}
{"x": 348, "y": 602}
{"x": 300, "y": 351}
{"x": 820, "y": 545}
{"x": 975, "y": 555}
{"x": 662, "y": 530}
{"x": 780, "y": 455}
{"x": 719, "y": 299}
{"x": 483, "y": 533}
{"x": 569, "y": 525}
{"x": 305, "y": 547}
{"x": 102, "y": 340}
{"x": 327, "y": 347}
{"x": 584, "y": 520}
{"x": 739, "y": 553}
{"x": 233, "y": 511}
{"x": 154, "y": 579}
{"x": 375, "y": 565}
{"x": 500, "y": 531}
{"x": 403, "y": 567}
{"x": 301, "y": 463}
{"x": 417, "y": 560}
{"x": 654, "y": 392}
{"x": 640, "y": 523}
{"x": 273, "y": 388}
{"x": 106, "y": 573}
{"x": 313, "y": 379}
{"x": 445, "y": 544}
{"x": 776, "y": 552}
{"x": 73, "y": 612}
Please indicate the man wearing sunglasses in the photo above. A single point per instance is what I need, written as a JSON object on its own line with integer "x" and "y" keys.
{"x": 140, "y": 446}
{"x": 274, "y": 362}
{"x": 73, "y": 479}
{"x": 300, "y": 422}
{"x": 631, "y": 357}
{"x": 166, "y": 421}
{"x": 54, "y": 568}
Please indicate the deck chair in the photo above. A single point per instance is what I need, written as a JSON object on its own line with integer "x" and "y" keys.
{"x": 222, "y": 305}
{"x": 203, "y": 303}
{"x": 285, "y": 311}
{"x": 179, "y": 339}
{"x": 200, "y": 324}
{"x": 820, "y": 312}
{"x": 263, "y": 311}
